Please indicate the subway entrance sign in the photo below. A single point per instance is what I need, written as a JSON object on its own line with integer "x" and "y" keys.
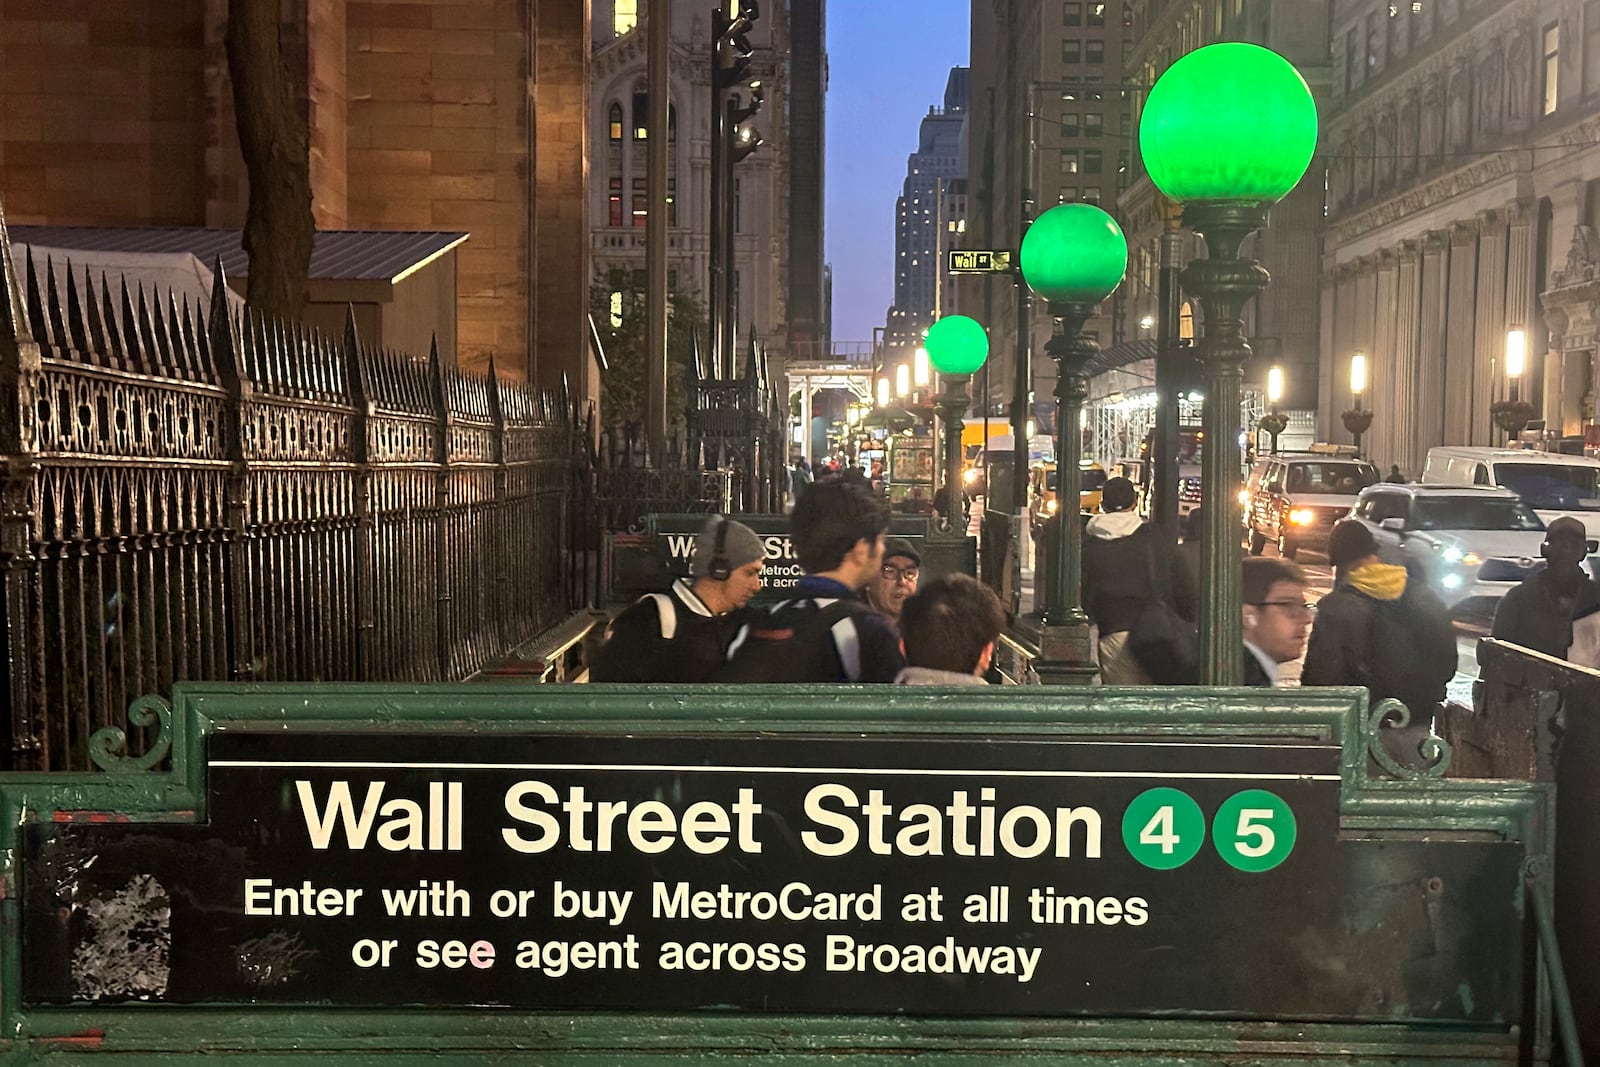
{"x": 978, "y": 261}
{"x": 903, "y": 869}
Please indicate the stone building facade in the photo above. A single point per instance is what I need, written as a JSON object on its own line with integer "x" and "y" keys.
{"x": 1464, "y": 141}
{"x": 1049, "y": 123}
{"x": 1280, "y": 324}
{"x": 421, "y": 118}
{"x": 617, "y": 190}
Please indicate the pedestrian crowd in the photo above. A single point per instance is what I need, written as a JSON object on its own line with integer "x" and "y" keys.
{"x": 863, "y": 613}
{"x": 860, "y": 612}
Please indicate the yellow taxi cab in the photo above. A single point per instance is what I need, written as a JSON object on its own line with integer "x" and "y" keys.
{"x": 1042, "y": 485}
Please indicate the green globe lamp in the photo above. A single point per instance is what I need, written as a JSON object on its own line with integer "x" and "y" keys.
{"x": 957, "y": 346}
{"x": 1074, "y": 256}
{"x": 1226, "y": 132}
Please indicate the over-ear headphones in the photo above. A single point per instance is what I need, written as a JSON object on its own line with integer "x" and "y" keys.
{"x": 719, "y": 568}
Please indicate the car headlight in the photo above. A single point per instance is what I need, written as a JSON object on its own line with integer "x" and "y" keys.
{"x": 1452, "y": 554}
{"x": 1244, "y": 497}
{"x": 971, "y": 475}
{"x": 1471, "y": 559}
{"x": 1050, "y": 506}
{"x": 1302, "y": 516}
{"x": 1451, "y": 581}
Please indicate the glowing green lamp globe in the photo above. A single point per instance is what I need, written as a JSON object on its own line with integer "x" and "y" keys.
{"x": 1230, "y": 121}
{"x": 1074, "y": 253}
{"x": 956, "y": 345}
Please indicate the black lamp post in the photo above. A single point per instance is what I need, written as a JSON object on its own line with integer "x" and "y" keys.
{"x": 1227, "y": 131}
{"x": 957, "y": 346}
{"x": 1074, "y": 255}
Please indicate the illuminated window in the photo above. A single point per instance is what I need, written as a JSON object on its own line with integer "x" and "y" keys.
{"x": 615, "y": 216}
{"x": 1097, "y": 14}
{"x": 614, "y": 122}
{"x": 624, "y": 16}
{"x": 1069, "y": 163}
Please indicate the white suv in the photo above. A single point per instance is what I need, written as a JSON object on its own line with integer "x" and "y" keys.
{"x": 1470, "y": 544}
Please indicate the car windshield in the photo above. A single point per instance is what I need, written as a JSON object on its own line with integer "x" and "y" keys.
{"x": 1473, "y": 513}
{"x": 1554, "y": 487}
{"x": 1088, "y": 481}
{"x": 1343, "y": 479}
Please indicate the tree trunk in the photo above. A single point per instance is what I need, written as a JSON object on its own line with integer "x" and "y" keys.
{"x": 275, "y": 140}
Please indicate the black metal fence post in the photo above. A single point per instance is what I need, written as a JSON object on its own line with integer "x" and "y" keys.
{"x": 24, "y": 612}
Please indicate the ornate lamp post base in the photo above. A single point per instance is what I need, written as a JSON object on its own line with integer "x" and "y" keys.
{"x": 1065, "y": 655}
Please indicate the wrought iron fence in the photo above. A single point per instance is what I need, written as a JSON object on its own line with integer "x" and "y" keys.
{"x": 198, "y": 493}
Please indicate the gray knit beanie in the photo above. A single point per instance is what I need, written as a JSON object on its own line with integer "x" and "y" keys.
{"x": 740, "y": 545}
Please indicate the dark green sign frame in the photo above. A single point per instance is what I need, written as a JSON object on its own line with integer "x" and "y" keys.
{"x": 1407, "y": 808}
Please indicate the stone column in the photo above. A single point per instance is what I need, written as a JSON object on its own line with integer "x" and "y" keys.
{"x": 1522, "y": 309}
{"x": 1459, "y": 324}
{"x": 1366, "y": 289}
{"x": 1430, "y": 420}
{"x": 1335, "y": 392}
{"x": 1489, "y": 369}
{"x": 1406, "y": 399}
{"x": 558, "y": 188}
{"x": 1326, "y": 416}
{"x": 1387, "y": 414}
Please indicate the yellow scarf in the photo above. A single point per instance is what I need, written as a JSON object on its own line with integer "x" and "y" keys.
{"x": 1381, "y": 581}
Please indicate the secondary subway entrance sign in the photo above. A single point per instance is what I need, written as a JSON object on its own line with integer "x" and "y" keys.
{"x": 788, "y": 872}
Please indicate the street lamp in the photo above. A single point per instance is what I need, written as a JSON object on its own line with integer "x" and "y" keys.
{"x": 1226, "y": 132}
{"x": 902, "y": 380}
{"x": 1513, "y": 414}
{"x": 883, "y": 392}
{"x": 1074, "y": 255}
{"x": 919, "y": 367}
{"x": 957, "y": 346}
{"x": 1356, "y": 420}
{"x": 1273, "y": 421}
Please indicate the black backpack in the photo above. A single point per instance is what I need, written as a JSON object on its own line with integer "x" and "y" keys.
{"x": 794, "y": 643}
{"x": 1411, "y": 651}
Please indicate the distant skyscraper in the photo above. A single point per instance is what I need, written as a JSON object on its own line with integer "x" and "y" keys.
{"x": 917, "y": 216}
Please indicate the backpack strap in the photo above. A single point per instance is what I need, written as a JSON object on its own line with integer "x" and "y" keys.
{"x": 666, "y": 614}
{"x": 837, "y": 614}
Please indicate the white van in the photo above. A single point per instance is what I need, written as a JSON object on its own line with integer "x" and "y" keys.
{"x": 1550, "y": 483}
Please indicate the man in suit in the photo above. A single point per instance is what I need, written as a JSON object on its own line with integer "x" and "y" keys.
{"x": 1277, "y": 618}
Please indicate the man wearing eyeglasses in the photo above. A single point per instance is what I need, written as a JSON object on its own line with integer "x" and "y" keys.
{"x": 892, "y": 583}
{"x": 1277, "y": 619}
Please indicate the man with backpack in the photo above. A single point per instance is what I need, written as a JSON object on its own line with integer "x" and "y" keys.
{"x": 682, "y": 635}
{"x": 826, "y": 633}
{"x": 1380, "y": 629}
{"x": 1127, "y": 572}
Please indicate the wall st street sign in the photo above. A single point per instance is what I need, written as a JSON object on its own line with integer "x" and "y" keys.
{"x": 979, "y": 261}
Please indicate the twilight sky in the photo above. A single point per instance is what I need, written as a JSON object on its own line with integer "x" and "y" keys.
{"x": 888, "y": 61}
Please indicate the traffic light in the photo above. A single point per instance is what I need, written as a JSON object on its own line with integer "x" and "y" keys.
{"x": 731, "y": 47}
